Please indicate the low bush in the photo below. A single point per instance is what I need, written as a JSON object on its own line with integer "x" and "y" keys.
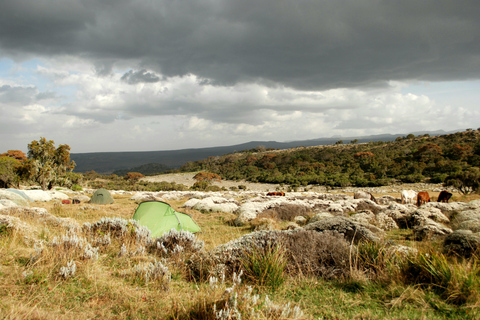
{"x": 324, "y": 254}
{"x": 76, "y": 187}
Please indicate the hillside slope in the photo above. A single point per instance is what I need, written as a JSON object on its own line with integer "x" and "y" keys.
{"x": 108, "y": 162}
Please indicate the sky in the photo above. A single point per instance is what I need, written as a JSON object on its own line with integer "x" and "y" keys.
{"x": 143, "y": 75}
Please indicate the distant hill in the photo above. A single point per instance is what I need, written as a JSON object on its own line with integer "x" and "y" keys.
{"x": 108, "y": 162}
{"x": 145, "y": 169}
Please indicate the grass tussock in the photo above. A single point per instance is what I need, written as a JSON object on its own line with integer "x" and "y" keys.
{"x": 454, "y": 280}
{"x": 266, "y": 266}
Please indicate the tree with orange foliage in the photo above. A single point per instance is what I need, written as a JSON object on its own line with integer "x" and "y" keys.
{"x": 133, "y": 176}
{"x": 205, "y": 179}
{"x": 15, "y": 154}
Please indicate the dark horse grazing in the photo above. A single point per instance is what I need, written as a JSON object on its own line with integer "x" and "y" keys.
{"x": 444, "y": 196}
{"x": 422, "y": 197}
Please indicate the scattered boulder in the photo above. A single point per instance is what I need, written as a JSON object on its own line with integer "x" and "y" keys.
{"x": 464, "y": 243}
{"x": 429, "y": 229}
{"x": 352, "y": 231}
{"x": 38, "y": 195}
{"x": 13, "y": 197}
{"x": 365, "y": 204}
{"x": 401, "y": 219}
{"x": 363, "y": 217}
{"x": 434, "y": 214}
{"x": 386, "y": 200}
{"x": 446, "y": 208}
{"x": 385, "y": 222}
{"x": 140, "y": 197}
{"x": 467, "y": 220}
{"x": 319, "y": 216}
{"x": 212, "y": 204}
{"x": 57, "y": 195}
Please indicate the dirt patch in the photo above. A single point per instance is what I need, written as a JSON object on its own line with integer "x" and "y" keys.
{"x": 394, "y": 190}
{"x": 187, "y": 180}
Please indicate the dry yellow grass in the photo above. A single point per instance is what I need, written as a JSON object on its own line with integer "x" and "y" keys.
{"x": 31, "y": 287}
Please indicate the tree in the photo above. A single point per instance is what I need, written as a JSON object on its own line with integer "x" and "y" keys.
{"x": 16, "y": 154}
{"x": 207, "y": 176}
{"x": 46, "y": 165}
{"x": 8, "y": 174}
{"x": 133, "y": 176}
{"x": 467, "y": 181}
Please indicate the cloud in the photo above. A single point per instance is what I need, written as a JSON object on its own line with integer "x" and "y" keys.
{"x": 204, "y": 73}
{"x": 134, "y": 77}
{"x": 308, "y": 45}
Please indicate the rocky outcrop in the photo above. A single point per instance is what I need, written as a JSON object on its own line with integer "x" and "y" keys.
{"x": 467, "y": 220}
{"x": 17, "y": 199}
{"x": 463, "y": 243}
{"x": 429, "y": 229}
{"x": 351, "y": 230}
{"x": 213, "y": 204}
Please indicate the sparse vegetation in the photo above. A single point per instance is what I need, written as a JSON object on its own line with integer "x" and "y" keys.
{"x": 101, "y": 264}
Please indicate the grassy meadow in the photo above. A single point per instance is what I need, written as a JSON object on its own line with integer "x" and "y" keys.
{"x": 57, "y": 267}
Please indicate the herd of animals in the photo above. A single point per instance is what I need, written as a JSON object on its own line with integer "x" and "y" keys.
{"x": 407, "y": 196}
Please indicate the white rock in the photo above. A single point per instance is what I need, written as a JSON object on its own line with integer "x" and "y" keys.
{"x": 58, "y": 195}
{"x": 38, "y": 195}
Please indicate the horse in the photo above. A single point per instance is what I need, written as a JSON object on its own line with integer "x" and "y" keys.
{"x": 422, "y": 197}
{"x": 276, "y": 194}
{"x": 408, "y": 196}
{"x": 364, "y": 195}
{"x": 444, "y": 196}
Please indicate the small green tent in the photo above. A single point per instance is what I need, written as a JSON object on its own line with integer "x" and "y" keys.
{"x": 159, "y": 217}
{"x": 101, "y": 196}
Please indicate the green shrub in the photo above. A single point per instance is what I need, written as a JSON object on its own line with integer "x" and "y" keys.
{"x": 76, "y": 187}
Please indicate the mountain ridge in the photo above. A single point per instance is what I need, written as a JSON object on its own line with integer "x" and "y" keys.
{"x": 108, "y": 162}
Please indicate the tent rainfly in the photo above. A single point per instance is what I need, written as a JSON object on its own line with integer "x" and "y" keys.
{"x": 159, "y": 217}
{"x": 101, "y": 196}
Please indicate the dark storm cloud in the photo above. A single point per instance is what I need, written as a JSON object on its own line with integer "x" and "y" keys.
{"x": 17, "y": 96}
{"x": 134, "y": 77}
{"x": 308, "y": 44}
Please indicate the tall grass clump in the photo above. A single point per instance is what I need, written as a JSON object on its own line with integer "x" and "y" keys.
{"x": 265, "y": 266}
{"x": 454, "y": 280}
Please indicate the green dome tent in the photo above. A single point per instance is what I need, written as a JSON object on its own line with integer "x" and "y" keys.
{"x": 159, "y": 217}
{"x": 101, "y": 196}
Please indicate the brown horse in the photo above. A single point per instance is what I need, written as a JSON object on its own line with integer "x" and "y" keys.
{"x": 422, "y": 197}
